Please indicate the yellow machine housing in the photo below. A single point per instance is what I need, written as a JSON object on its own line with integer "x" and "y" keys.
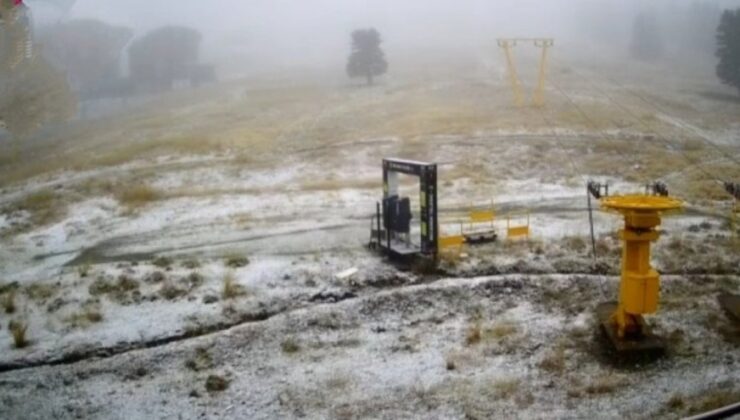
{"x": 639, "y": 287}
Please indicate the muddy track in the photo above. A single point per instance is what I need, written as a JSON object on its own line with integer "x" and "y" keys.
{"x": 105, "y": 251}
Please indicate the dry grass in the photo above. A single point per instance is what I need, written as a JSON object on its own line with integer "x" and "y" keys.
{"x": 85, "y": 318}
{"x": 137, "y": 196}
{"x": 554, "y": 361}
{"x": 84, "y": 270}
{"x": 8, "y": 302}
{"x": 202, "y": 360}
{"x": 131, "y": 151}
{"x": 501, "y": 330}
{"x": 44, "y": 207}
{"x": 606, "y": 384}
{"x": 18, "y": 331}
{"x": 506, "y": 389}
{"x": 339, "y": 184}
{"x": 41, "y": 292}
{"x": 118, "y": 290}
{"x": 290, "y": 346}
{"x": 473, "y": 335}
{"x": 231, "y": 289}
{"x": 236, "y": 261}
{"x": 170, "y": 291}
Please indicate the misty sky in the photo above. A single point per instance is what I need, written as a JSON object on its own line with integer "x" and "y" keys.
{"x": 312, "y": 31}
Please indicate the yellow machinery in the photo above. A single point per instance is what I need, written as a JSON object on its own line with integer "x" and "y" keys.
{"x": 451, "y": 247}
{"x": 479, "y": 228}
{"x": 508, "y": 44}
{"x": 521, "y": 230}
{"x": 639, "y": 287}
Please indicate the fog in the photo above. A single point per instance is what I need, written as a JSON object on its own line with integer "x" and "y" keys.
{"x": 242, "y": 37}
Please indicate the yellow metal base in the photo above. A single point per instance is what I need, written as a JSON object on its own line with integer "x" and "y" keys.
{"x": 639, "y": 288}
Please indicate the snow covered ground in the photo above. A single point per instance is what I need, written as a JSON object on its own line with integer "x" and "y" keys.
{"x": 230, "y": 269}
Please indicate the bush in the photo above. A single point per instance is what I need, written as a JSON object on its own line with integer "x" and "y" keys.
{"x": 85, "y": 318}
{"x": 162, "y": 262}
{"x": 237, "y": 261}
{"x": 290, "y": 346}
{"x": 231, "y": 289}
{"x": 171, "y": 292}
{"x": 216, "y": 383}
{"x": 40, "y": 291}
{"x": 8, "y": 302}
{"x": 473, "y": 335}
{"x": 18, "y": 331}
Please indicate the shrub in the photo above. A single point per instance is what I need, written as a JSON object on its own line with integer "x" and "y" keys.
{"x": 554, "y": 361}
{"x": 290, "y": 346}
{"x": 506, "y": 388}
{"x": 162, "y": 262}
{"x": 473, "y": 335}
{"x": 231, "y": 289}
{"x": 18, "y": 331}
{"x": 171, "y": 292}
{"x": 216, "y": 383}
{"x": 503, "y": 329}
{"x": 40, "y": 291}
{"x": 8, "y": 302}
{"x": 84, "y": 270}
{"x": 85, "y": 318}
{"x": 236, "y": 261}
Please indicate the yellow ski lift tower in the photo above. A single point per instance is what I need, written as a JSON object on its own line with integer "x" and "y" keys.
{"x": 638, "y": 290}
{"x": 507, "y": 44}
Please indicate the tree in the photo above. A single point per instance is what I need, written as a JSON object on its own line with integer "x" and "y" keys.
{"x": 367, "y": 58}
{"x": 728, "y": 48}
{"x": 163, "y": 56}
{"x": 33, "y": 95}
{"x": 89, "y": 51}
{"x": 647, "y": 42}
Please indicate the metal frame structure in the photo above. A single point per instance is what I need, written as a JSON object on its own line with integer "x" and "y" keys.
{"x": 507, "y": 44}
{"x": 384, "y": 237}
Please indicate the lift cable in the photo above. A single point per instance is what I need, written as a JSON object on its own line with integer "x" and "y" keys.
{"x": 668, "y": 143}
{"x": 559, "y": 141}
{"x": 656, "y": 107}
{"x": 630, "y": 160}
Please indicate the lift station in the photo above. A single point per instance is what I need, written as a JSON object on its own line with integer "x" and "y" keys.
{"x": 623, "y": 322}
{"x": 391, "y": 230}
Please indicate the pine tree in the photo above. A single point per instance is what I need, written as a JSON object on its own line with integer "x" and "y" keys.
{"x": 728, "y": 48}
{"x": 367, "y": 59}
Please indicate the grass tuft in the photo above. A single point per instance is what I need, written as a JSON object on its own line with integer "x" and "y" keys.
{"x": 236, "y": 261}
{"x": 18, "y": 330}
{"x": 8, "y": 302}
{"x": 473, "y": 336}
{"x": 231, "y": 289}
{"x": 290, "y": 346}
{"x": 137, "y": 196}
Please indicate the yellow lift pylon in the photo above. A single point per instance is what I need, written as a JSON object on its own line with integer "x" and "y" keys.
{"x": 639, "y": 286}
{"x": 508, "y": 44}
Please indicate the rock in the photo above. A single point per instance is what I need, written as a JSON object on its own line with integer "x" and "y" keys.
{"x": 209, "y": 299}
{"x": 332, "y": 296}
{"x": 55, "y": 305}
{"x": 155, "y": 277}
{"x": 216, "y": 383}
